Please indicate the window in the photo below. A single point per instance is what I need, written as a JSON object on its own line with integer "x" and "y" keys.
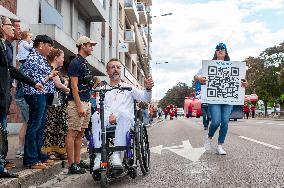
{"x": 58, "y": 5}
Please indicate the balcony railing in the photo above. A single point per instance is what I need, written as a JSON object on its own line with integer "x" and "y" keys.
{"x": 142, "y": 13}
{"x": 129, "y": 35}
{"x": 141, "y": 7}
{"x": 129, "y": 3}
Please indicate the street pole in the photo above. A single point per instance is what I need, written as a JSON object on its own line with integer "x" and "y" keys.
{"x": 148, "y": 38}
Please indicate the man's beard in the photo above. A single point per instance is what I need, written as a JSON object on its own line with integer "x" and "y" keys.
{"x": 115, "y": 76}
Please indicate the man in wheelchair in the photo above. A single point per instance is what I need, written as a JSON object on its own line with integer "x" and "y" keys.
{"x": 118, "y": 111}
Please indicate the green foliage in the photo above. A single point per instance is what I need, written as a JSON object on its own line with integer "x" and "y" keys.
{"x": 265, "y": 75}
{"x": 176, "y": 95}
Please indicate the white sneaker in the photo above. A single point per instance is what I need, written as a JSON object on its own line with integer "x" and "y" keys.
{"x": 220, "y": 150}
{"x": 208, "y": 144}
{"x": 115, "y": 159}
{"x": 97, "y": 162}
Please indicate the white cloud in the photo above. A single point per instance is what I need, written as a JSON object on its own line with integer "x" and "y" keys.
{"x": 191, "y": 33}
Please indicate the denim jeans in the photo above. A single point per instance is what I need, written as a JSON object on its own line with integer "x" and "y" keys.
{"x": 220, "y": 114}
{"x": 205, "y": 115}
{"x": 35, "y": 129}
{"x": 3, "y": 121}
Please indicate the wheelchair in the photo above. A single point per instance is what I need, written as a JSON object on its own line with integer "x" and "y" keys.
{"x": 136, "y": 152}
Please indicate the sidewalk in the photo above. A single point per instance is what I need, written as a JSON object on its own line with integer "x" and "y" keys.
{"x": 29, "y": 177}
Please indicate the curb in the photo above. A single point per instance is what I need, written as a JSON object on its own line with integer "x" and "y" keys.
{"x": 271, "y": 119}
{"x": 34, "y": 177}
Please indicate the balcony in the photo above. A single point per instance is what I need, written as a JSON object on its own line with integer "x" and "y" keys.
{"x": 144, "y": 37}
{"x": 49, "y": 15}
{"x": 146, "y": 2}
{"x": 129, "y": 37}
{"x": 66, "y": 43}
{"x": 148, "y": 34}
{"x": 92, "y": 9}
{"x": 142, "y": 13}
{"x": 131, "y": 11}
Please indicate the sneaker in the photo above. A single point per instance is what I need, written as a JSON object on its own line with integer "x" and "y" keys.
{"x": 97, "y": 162}
{"x": 220, "y": 150}
{"x": 84, "y": 164}
{"x": 205, "y": 128}
{"x": 115, "y": 159}
{"x": 208, "y": 144}
{"x": 75, "y": 169}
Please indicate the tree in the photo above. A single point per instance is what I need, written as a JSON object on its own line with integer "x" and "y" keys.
{"x": 266, "y": 76}
{"x": 176, "y": 95}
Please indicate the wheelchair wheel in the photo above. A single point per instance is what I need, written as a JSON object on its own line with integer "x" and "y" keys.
{"x": 143, "y": 153}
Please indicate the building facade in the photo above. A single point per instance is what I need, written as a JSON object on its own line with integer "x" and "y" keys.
{"x": 120, "y": 28}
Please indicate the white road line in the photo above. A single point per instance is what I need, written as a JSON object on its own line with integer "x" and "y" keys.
{"x": 270, "y": 123}
{"x": 259, "y": 142}
{"x": 281, "y": 124}
{"x": 260, "y": 122}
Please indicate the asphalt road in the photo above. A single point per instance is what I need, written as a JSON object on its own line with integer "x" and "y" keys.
{"x": 255, "y": 157}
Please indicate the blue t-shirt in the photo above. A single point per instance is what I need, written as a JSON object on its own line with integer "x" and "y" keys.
{"x": 78, "y": 68}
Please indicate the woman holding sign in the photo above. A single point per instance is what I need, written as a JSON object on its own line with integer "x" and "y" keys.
{"x": 220, "y": 113}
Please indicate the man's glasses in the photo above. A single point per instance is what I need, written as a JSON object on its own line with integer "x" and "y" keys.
{"x": 8, "y": 24}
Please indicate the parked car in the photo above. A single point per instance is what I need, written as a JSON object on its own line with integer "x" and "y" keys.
{"x": 180, "y": 112}
{"x": 261, "y": 111}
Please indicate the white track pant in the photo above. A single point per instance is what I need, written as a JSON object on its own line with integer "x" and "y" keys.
{"x": 124, "y": 123}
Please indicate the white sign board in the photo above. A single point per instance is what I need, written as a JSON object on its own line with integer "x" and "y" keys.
{"x": 223, "y": 85}
{"x": 123, "y": 47}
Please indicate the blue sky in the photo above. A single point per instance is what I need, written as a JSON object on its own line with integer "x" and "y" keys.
{"x": 189, "y": 36}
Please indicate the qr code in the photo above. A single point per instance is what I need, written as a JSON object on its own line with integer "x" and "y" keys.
{"x": 223, "y": 82}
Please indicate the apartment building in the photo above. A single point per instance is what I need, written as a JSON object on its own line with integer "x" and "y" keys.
{"x": 134, "y": 20}
{"x": 120, "y": 28}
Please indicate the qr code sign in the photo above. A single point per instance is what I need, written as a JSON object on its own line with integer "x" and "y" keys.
{"x": 223, "y": 82}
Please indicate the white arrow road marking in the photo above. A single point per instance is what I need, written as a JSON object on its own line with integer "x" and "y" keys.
{"x": 259, "y": 142}
{"x": 185, "y": 150}
{"x": 157, "y": 149}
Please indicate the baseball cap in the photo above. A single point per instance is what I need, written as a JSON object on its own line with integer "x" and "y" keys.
{"x": 85, "y": 40}
{"x": 221, "y": 46}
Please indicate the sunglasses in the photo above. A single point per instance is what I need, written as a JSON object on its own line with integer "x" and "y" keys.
{"x": 220, "y": 49}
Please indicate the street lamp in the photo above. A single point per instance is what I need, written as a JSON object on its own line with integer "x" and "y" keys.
{"x": 158, "y": 63}
{"x": 148, "y": 27}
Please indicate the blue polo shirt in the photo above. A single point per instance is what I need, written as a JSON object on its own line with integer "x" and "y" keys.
{"x": 78, "y": 68}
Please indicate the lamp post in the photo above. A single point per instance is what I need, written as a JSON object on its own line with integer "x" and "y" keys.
{"x": 148, "y": 28}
